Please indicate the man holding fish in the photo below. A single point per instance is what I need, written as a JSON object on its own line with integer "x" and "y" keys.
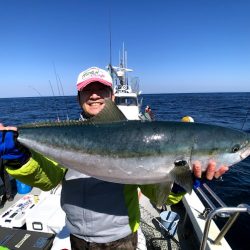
{"x": 99, "y": 214}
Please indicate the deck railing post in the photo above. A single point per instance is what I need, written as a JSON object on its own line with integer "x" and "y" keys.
{"x": 226, "y": 227}
{"x": 236, "y": 210}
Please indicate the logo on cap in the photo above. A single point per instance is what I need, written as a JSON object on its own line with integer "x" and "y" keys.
{"x": 93, "y": 74}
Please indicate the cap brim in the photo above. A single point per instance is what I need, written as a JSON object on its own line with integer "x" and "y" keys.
{"x": 82, "y": 85}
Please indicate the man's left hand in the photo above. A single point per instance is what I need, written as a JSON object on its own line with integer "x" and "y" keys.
{"x": 211, "y": 171}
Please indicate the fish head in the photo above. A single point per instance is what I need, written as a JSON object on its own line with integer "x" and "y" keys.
{"x": 226, "y": 146}
{"x": 236, "y": 147}
{"x": 244, "y": 149}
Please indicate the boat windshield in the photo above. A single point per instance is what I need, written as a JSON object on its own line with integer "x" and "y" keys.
{"x": 126, "y": 101}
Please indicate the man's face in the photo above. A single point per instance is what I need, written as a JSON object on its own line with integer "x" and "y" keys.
{"x": 91, "y": 98}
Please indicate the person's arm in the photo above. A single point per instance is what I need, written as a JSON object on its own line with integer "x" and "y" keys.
{"x": 39, "y": 172}
{"x": 28, "y": 166}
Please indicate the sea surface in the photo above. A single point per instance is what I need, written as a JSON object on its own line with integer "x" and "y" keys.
{"x": 225, "y": 109}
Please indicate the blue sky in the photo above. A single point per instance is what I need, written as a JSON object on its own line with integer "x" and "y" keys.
{"x": 173, "y": 46}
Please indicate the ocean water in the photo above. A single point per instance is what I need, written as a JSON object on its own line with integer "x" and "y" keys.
{"x": 226, "y": 109}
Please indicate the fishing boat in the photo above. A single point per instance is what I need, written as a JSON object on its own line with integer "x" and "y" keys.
{"x": 126, "y": 91}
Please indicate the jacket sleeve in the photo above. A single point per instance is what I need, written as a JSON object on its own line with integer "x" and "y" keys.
{"x": 174, "y": 198}
{"x": 39, "y": 172}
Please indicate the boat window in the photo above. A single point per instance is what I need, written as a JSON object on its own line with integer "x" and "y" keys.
{"x": 126, "y": 101}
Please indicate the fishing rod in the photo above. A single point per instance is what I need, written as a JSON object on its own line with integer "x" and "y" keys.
{"x": 55, "y": 102}
{"x": 35, "y": 90}
{"x": 32, "y": 87}
{"x": 65, "y": 102}
{"x": 58, "y": 80}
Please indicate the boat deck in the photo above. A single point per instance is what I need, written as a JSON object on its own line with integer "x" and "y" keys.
{"x": 157, "y": 237}
{"x": 17, "y": 196}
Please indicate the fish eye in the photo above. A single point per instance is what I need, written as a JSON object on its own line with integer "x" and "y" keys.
{"x": 235, "y": 148}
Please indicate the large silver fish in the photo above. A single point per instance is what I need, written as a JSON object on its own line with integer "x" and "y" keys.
{"x": 136, "y": 152}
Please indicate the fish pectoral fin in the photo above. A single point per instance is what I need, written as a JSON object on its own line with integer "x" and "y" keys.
{"x": 182, "y": 175}
{"x": 110, "y": 113}
{"x": 162, "y": 191}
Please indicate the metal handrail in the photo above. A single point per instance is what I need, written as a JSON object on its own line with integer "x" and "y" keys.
{"x": 209, "y": 201}
{"x": 216, "y": 197}
{"x": 239, "y": 209}
{"x": 205, "y": 197}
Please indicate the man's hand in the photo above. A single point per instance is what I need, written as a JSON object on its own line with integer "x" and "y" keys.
{"x": 2, "y": 127}
{"x": 210, "y": 172}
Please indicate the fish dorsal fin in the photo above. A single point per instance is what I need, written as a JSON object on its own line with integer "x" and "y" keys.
{"x": 110, "y": 113}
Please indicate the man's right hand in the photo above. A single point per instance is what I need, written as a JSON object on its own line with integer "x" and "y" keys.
{"x": 10, "y": 149}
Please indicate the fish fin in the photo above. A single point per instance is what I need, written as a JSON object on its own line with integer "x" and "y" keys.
{"x": 162, "y": 191}
{"x": 182, "y": 176}
{"x": 110, "y": 113}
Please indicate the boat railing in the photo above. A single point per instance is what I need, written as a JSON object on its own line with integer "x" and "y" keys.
{"x": 235, "y": 211}
{"x": 209, "y": 202}
{"x": 212, "y": 211}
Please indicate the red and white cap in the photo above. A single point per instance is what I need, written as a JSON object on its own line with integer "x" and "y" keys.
{"x": 93, "y": 74}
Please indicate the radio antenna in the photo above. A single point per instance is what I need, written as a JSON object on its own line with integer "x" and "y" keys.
{"x": 110, "y": 41}
{"x": 110, "y": 68}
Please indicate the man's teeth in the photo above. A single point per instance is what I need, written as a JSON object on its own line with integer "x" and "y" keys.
{"x": 95, "y": 104}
